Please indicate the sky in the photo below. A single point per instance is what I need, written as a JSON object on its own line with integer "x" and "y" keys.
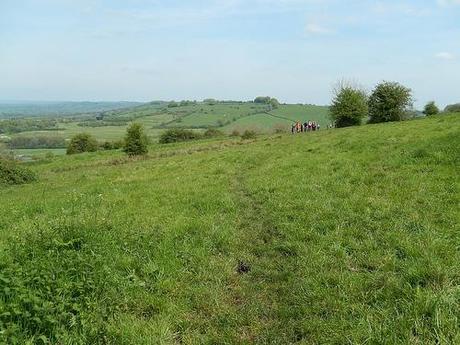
{"x": 295, "y": 50}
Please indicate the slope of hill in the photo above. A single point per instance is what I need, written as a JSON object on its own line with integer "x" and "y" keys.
{"x": 283, "y": 117}
{"x": 337, "y": 236}
{"x": 452, "y": 108}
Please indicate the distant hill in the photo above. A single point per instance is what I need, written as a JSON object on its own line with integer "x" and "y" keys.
{"x": 226, "y": 115}
{"x": 108, "y": 121}
{"x": 453, "y": 108}
{"x": 11, "y": 109}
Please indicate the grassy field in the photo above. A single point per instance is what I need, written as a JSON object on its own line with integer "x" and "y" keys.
{"x": 218, "y": 115}
{"x": 304, "y": 113}
{"x": 281, "y": 118}
{"x": 346, "y": 236}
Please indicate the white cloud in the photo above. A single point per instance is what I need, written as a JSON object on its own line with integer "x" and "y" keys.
{"x": 313, "y": 28}
{"x": 445, "y": 56}
{"x": 389, "y": 8}
{"x": 448, "y": 2}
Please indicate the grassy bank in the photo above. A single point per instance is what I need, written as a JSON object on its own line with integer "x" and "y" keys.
{"x": 339, "y": 236}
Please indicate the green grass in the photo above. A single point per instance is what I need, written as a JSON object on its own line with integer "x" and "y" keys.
{"x": 282, "y": 118}
{"x": 217, "y": 115}
{"x": 259, "y": 122}
{"x": 304, "y": 113}
{"x": 351, "y": 236}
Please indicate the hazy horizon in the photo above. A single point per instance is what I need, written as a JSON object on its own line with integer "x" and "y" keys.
{"x": 294, "y": 50}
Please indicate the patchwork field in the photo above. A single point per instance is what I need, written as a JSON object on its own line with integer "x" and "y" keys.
{"x": 339, "y": 236}
{"x": 156, "y": 117}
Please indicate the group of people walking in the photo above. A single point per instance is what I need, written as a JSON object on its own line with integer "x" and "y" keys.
{"x": 299, "y": 127}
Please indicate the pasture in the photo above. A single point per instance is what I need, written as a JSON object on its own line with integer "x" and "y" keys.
{"x": 339, "y": 236}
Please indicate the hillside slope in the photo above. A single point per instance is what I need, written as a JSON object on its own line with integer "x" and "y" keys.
{"x": 282, "y": 118}
{"x": 339, "y": 236}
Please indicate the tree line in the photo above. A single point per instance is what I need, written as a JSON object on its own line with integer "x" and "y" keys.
{"x": 388, "y": 101}
{"x": 27, "y": 125}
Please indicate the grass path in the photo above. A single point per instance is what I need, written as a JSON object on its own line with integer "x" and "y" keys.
{"x": 257, "y": 235}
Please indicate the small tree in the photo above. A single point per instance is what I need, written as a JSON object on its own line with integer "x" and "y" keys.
{"x": 136, "y": 141}
{"x": 431, "y": 109}
{"x": 349, "y": 105}
{"x": 82, "y": 142}
{"x": 390, "y": 101}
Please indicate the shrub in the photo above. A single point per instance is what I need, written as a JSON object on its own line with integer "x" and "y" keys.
{"x": 111, "y": 145}
{"x": 106, "y": 145}
{"x": 176, "y": 135}
{"x": 248, "y": 134}
{"x": 212, "y": 133}
{"x": 349, "y": 106}
{"x": 136, "y": 142}
{"x": 82, "y": 142}
{"x": 431, "y": 109}
{"x": 390, "y": 101}
{"x": 13, "y": 174}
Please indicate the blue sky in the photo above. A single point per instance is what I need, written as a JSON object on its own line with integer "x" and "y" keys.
{"x": 295, "y": 50}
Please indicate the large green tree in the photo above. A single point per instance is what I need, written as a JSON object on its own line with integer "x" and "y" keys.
{"x": 136, "y": 142}
{"x": 390, "y": 101}
{"x": 431, "y": 109}
{"x": 349, "y": 106}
